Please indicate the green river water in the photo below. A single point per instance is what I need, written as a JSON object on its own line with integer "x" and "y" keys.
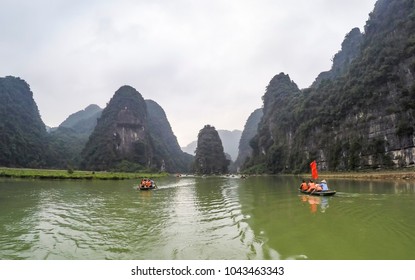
{"x": 206, "y": 219}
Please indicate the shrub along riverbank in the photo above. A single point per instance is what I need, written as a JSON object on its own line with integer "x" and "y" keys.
{"x": 73, "y": 174}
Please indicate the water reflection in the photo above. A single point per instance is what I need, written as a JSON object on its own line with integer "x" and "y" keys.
{"x": 210, "y": 218}
{"x": 315, "y": 203}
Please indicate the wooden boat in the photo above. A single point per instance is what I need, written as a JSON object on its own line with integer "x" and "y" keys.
{"x": 142, "y": 188}
{"x": 320, "y": 193}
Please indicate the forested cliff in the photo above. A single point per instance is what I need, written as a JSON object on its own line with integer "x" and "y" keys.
{"x": 210, "y": 157}
{"x": 23, "y": 136}
{"x": 357, "y": 115}
{"x": 360, "y": 114}
{"x": 133, "y": 134}
{"x": 130, "y": 134}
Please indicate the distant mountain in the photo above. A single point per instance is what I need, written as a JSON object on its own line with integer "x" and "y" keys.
{"x": 249, "y": 132}
{"x": 190, "y": 148}
{"x": 83, "y": 121}
{"x": 23, "y": 136}
{"x": 210, "y": 157}
{"x": 230, "y": 142}
{"x": 68, "y": 140}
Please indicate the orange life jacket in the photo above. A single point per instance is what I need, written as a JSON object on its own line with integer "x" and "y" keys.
{"x": 304, "y": 186}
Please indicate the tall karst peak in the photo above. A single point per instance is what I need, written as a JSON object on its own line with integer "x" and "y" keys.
{"x": 120, "y": 134}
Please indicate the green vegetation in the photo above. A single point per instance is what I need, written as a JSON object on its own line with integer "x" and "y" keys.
{"x": 210, "y": 157}
{"x": 23, "y": 136}
{"x": 74, "y": 174}
{"x": 108, "y": 145}
{"x": 359, "y": 115}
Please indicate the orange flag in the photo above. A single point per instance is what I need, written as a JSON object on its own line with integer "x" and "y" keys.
{"x": 314, "y": 173}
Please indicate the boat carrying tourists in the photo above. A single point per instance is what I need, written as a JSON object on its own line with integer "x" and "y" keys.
{"x": 147, "y": 184}
{"x": 313, "y": 188}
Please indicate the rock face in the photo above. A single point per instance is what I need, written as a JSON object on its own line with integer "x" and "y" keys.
{"x": 129, "y": 130}
{"x": 133, "y": 134}
{"x": 120, "y": 134}
{"x": 358, "y": 115}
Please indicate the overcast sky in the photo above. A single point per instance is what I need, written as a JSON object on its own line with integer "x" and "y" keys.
{"x": 203, "y": 61}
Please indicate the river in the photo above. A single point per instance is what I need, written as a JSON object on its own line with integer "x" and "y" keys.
{"x": 210, "y": 218}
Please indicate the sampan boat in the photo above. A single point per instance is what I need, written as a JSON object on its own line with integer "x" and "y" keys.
{"x": 320, "y": 193}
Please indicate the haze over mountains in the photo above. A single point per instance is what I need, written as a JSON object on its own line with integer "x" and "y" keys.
{"x": 357, "y": 115}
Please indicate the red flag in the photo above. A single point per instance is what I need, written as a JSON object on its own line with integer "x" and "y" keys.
{"x": 314, "y": 173}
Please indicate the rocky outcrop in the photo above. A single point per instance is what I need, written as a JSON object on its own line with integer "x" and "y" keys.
{"x": 210, "y": 157}
{"x": 121, "y": 134}
{"x": 230, "y": 141}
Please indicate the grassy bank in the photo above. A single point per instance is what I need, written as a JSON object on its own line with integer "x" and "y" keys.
{"x": 64, "y": 174}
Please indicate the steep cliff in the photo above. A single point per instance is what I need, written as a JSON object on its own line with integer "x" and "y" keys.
{"x": 167, "y": 152}
{"x": 359, "y": 115}
{"x": 121, "y": 136}
{"x": 249, "y": 132}
{"x": 23, "y": 136}
{"x": 350, "y": 48}
{"x": 210, "y": 157}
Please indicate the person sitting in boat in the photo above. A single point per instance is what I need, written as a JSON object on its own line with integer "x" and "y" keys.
{"x": 144, "y": 183}
{"x": 148, "y": 183}
{"x": 318, "y": 188}
{"x": 311, "y": 186}
{"x": 324, "y": 186}
{"x": 303, "y": 186}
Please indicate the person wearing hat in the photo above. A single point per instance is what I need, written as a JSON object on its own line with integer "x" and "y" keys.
{"x": 323, "y": 185}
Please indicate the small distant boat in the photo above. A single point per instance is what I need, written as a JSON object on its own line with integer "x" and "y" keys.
{"x": 145, "y": 187}
{"x": 320, "y": 193}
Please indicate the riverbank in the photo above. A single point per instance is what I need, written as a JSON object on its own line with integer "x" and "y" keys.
{"x": 75, "y": 174}
{"x": 402, "y": 174}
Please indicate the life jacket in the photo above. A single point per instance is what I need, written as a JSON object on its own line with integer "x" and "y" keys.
{"x": 304, "y": 186}
{"x": 311, "y": 186}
